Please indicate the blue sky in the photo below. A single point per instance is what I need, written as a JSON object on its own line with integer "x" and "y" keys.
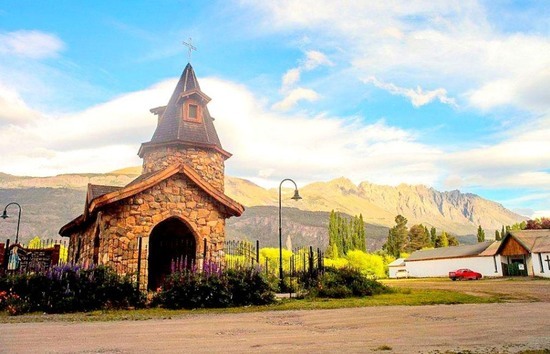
{"x": 453, "y": 95}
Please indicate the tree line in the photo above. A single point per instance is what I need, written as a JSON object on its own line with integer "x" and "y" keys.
{"x": 345, "y": 235}
{"x": 532, "y": 224}
{"x": 405, "y": 240}
{"x": 348, "y": 234}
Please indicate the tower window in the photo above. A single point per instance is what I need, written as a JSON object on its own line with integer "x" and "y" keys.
{"x": 192, "y": 112}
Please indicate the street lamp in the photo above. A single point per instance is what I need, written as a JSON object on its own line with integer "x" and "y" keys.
{"x": 5, "y": 216}
{"x": 295, "y": 197}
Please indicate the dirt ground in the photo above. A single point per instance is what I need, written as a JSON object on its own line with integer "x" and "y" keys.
{"x": 479, "y": 328}
{"x": 508, "y": 289}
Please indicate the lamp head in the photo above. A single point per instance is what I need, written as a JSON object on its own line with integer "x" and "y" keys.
{"x": 4, "y": 215}
{"x": 296, "y": 195}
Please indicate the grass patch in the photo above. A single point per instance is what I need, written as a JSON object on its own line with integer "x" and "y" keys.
{"x": 400, "y": 297}
{"x": 406, "y": 297}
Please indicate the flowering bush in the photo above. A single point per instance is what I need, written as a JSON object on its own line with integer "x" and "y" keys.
{"x": 15, "y": 305}
{"x": 68, "y": 289}
{"x": 212, "y": 287}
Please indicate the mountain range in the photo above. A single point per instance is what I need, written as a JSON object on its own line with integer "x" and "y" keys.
{"x": 50, "y": 202}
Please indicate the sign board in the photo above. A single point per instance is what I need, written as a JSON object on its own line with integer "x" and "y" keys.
{"x": 29, "y": 259}
{"x": 521, "y": 266}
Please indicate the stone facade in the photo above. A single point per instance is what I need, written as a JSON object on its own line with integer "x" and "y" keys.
{"x": 209, "y": 164}
{"x": 121, "y": 224}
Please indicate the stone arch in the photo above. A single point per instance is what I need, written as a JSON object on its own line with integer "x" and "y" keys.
{"x": 172, "y": 246}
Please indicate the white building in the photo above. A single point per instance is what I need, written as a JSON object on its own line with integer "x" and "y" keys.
{"x": 395, "y": 266}
{"x": 526, "y": 252}
{"x": 438, "y": 262}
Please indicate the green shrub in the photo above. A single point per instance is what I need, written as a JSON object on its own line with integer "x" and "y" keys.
{"x": 345, "y": 282}
{"x": 71, "y": 289}
{"x": 336, "y": 262}
{"x": 214, "y": 288}
{"x": 368, "y": 264}
{"x": 188, "y": 289}
{"x": 249, "y": 287}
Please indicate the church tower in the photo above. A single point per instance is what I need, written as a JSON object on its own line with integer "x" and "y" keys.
{"x": 173, "y": 214}
{"x": 185, "y": 134}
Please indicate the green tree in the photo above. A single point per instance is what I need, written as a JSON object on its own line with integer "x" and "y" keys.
{"x": 453, "y": 241}
{"x": 397, "y": 237}
{"x": 418, "y": 238}
{"x": 36, "y": 242}
{"x": 480, "y": 234}
{"x": 497, "y": 236}
{"x": 362, "y": 233}
{"x": 345, "y": 235}
{"x": 433, "y": 236}
{"x": 442, "y": 240}
{"x": 502, "y": 232}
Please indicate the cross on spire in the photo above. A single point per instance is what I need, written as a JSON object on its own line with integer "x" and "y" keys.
{"x": 190, "y": 47}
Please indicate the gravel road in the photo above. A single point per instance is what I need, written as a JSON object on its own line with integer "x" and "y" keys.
{"x": 478, "y": 328}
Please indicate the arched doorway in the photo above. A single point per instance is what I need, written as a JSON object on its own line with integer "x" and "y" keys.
{"x": 172, "y": 246}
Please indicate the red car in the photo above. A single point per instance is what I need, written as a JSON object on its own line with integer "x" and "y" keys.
{"x": 464, "y": 274}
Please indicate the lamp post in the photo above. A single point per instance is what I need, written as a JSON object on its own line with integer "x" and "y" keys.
{"x": 295, "y": 197}
{"x": 5, "y": 216}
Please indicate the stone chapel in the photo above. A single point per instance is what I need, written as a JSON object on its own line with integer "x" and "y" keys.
{"x": 173, "y": 210}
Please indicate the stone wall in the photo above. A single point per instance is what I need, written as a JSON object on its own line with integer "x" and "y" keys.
{"x": 122, "y": 223}
{"x": 209, "y": 164}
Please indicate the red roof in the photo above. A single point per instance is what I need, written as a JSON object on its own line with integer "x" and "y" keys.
{"x": 95, "y": 202}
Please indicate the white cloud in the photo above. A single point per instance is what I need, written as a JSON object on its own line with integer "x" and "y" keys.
{"x": 520, "y": 160}
{"x": 268, "y": 146}
{"x": 418, "y": 96}
{"x": 315, "y": 59}
{"x": 533, "y": 93}
{"x": 13, "y": 110}
{"x": 431, "y": 43}
{"x": 30, "y": 44}
{"x": 101, "y": 138}
{"x": 540, "y": 214}
{"x": 294, "y": 96}
{"x": 290, "y": 78}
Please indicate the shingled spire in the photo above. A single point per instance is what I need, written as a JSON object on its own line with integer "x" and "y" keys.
{"x": 186, "y": 119}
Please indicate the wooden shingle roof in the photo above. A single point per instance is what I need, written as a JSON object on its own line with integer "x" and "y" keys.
{"x": 172, "y": 129}
{"x": 143, "y": 183}
{"x": 97, "y": 190}
{"x": 533, "y": 240}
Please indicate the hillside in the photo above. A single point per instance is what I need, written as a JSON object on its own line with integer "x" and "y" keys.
{"x": 458, "y": 213}
{"x": 301, "y": 227}
{"x": 44, "y": 211}
{"x": 453, "y": 211}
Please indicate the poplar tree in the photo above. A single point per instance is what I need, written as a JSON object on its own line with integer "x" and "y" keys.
{"x": 345, "y": 235}
{"x": 362, "y": 234}
{"x": 433, "y": 235}
{"x": 442, "y": 240}
{"x": 480, "y": 234}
